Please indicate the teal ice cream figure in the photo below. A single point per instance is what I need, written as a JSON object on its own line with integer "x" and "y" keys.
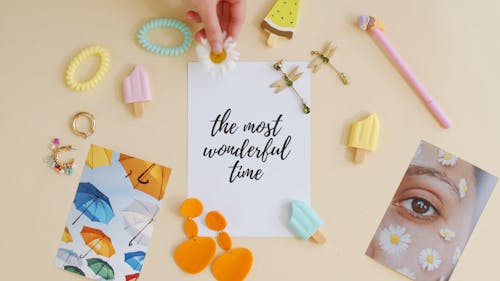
{"x": 305, "y": 222}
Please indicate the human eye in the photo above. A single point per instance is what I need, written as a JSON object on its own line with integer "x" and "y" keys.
{"x": 418, "y": 208}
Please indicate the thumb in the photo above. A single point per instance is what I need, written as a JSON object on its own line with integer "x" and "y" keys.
{"x": 212, "y": 28}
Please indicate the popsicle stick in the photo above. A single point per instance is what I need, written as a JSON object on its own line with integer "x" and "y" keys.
{"x": 318, "y": 237}
{"x": 272, "y": 40}
{"x": 138, "y": 108}
{"x": 359, "y": 155}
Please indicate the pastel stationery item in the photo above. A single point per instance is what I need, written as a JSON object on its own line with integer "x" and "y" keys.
{"x": 376, "y": 28}
{"x": 222, "y": 114}
{"x": 194, "y": 254}
{"x": 137, "y": 90}
{"x": 281, "y": 20}
{"x": 364, "y": 136}
{"x": 113, "y": 215}
{"x": 305, "y": 222}
{"x": 235, "y": 263}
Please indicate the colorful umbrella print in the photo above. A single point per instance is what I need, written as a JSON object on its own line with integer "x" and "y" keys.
{"x": 99, "y": 242}
{"x": 132, "y": 277}
{"x": 74, "y": 269}
{"x": 66, "y": 236}
{"x": 69, "y": 257}
{"x": 98, "y": 156}
{"x": 135, "y": 259}
{"x": 101, "y": 268}
{"x": 145, "y": 176}
{"x": 139, "y": 217}
{"x": 93, "y": 203}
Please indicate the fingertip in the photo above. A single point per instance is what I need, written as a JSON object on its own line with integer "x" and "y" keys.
{"x": 194, "y": 16}
{"x": 199, "y": 35}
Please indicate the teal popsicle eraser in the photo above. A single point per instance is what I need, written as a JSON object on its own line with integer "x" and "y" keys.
{"x": 305, "y": 222}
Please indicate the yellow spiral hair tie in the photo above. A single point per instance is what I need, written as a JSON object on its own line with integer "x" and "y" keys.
{"x": 83, "y": 55}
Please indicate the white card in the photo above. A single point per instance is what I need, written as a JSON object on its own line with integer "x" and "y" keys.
{"x": 252, "y": 190}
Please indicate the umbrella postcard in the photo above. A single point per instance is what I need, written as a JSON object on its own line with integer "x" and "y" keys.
{"x": 249, "y": 144}
{"x": 112, "y": 216}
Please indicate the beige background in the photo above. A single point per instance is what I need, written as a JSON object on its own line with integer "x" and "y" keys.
{"x": 451, "y": 45}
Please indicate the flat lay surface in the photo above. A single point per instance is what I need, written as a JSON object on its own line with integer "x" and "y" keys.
{"x": 452, "y": 47}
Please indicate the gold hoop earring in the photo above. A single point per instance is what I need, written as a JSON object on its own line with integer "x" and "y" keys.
{"x": 91, "y": 119}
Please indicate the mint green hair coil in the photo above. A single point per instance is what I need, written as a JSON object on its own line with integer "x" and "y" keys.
{"x": 142, "y": 36}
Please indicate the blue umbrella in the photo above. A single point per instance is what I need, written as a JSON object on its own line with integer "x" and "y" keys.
{"x": 69, "y": 257}
{"x": 93, "y": 203}
{"x": 135, "y": 259}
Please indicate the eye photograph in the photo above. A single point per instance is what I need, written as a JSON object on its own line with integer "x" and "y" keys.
{"x": 432, "y": 215}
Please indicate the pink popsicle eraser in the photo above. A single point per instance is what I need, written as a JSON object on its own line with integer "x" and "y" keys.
{"x": 136, "y": 89}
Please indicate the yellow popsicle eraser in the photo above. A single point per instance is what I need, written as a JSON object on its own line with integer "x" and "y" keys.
{"x": 364, "y": 133}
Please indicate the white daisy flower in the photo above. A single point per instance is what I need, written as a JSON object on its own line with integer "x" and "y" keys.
{"x": 447, "y": 234}
{"x": 456, "y": 254}
{"x": 394, "y": 239}
{"x": 218, "y": 64}
{"x": 463, "y": 187}
{"x": 446, "y": 158}
{"x": 429, "y": 259}
{"x": 406, "y": 272}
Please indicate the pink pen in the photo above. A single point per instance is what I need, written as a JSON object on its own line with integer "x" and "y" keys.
{"x": 370, "y": 23}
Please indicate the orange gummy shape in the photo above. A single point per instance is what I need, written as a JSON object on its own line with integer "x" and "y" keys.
{"x": 233, "y": 265}
{"x": 191, "y": 228}
{"x": 191, "y": 208}
{"x": 195, "y": 254}
{"x": 215, "y": 221}
{"x": 224, "y": 241}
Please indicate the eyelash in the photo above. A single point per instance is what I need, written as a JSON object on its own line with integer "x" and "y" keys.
{"x": 431, "y": 214}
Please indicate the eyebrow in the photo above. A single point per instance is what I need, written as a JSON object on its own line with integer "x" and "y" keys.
{"x": 428, "y": 171}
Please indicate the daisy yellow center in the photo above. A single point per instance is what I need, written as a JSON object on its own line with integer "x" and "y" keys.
{"x": 466, "y": 187}
{"x": 218, "y": 58}
{"x": 430, "y": 259}
{"x": 446, "y": 235}
{"x": 395, "y": 239}
{"x": 447, "y": 156}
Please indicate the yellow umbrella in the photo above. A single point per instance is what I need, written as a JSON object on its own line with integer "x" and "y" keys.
{"x": 99, "y": 242}
{"x": 98, "y": 156}
{"x": 66, "y": 237}
{"x": 145, "y": 176}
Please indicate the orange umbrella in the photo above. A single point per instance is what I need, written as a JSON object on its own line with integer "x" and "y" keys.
{"x": 145, "y": 176}
{"x": 99, "y": 242}
{"x": 66, "y": 237}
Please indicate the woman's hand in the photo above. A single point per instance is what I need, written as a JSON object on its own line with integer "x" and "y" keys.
{"x": 218, "y": 16}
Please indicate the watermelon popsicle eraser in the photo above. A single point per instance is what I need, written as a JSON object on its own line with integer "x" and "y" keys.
{"x": 137, "y": 90}
{"x": 305, "y": 222}
{"x": 281, "y": 20}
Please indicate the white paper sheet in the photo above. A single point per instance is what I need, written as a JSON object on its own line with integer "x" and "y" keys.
{"x": 257, "y": 206}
